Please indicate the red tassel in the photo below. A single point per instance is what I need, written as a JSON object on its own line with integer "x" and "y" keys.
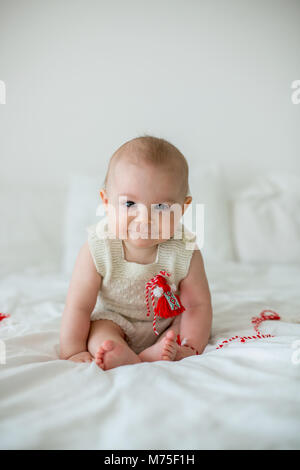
{"x": 163, "y": 309}
{"x": 168, "y": 304}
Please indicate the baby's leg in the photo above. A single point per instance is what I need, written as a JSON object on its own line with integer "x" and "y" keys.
{"x": 106, "y": 343}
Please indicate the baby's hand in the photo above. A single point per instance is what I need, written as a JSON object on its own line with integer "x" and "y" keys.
{"x": 83, "y": 356}
{"x": 184, "y": 351}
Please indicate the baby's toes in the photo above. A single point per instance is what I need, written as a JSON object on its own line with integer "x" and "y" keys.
{"x": 99, "y": 357}
{"x": 170, "y": 335}
{"x": 168, "y": 346}
{"x": 170, "y": 349}
{"x": 169, "y": 355}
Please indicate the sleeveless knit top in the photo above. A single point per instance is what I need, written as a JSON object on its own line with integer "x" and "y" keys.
{"x": 124, "y": 282}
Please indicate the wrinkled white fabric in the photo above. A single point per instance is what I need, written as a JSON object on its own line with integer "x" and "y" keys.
{"x": 244, "y": 396}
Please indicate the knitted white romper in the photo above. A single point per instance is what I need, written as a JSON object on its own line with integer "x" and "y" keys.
{"x": 121, "y": 297}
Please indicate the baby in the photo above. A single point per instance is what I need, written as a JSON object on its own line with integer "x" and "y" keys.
{"x": 107, "y": 318}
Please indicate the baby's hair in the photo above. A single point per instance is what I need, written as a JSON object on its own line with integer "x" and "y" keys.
{"x": 156, "y": 151}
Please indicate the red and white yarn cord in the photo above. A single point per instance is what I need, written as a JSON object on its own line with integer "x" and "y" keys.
{"x": 149, "y": 287}
{"x": 256, "y": 321}
{"x": 3, "y": 315}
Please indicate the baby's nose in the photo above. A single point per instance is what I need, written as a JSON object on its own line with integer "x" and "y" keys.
{"x": 143, "y": 216}
{"x": 143, "y": 220}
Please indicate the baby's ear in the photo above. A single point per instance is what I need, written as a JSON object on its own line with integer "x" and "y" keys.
{"x": 186, "y": 203}
{"x": 188, "y": 200}
{"x": 103, "y": 195}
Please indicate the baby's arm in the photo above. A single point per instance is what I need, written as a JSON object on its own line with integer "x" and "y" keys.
{"x": 80, "y": 302}
{"x": 195, "y": 296}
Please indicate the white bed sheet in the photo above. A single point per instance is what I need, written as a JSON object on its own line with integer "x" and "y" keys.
{"x": 244, "y": 396}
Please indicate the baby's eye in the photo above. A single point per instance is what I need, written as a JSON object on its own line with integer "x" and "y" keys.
{"x": 162, "y": 206}
{"x": 129, "y": 202}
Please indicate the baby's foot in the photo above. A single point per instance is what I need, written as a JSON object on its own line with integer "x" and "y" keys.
{"x": 163, "y": 350}
{"x": 112, "y": 354}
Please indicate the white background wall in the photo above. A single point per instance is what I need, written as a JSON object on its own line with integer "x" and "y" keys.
{"x": 213, "y": 77}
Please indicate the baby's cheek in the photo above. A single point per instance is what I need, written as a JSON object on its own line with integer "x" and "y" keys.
{"x": 121, "y": 222}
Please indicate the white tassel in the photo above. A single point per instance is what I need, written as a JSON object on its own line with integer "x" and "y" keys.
{"x": 158, "y": 291}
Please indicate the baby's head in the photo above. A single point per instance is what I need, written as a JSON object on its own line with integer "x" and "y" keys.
{"x": 146, "y": 190}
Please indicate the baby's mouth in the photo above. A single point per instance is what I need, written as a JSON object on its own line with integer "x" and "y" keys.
{"x": 137, "y": 232}
{"x": 144, "y": 234}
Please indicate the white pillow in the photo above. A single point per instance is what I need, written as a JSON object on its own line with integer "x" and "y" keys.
{"x": 207, "y": 184}
{"x": 31, "y": 216}
{"x": 83, "y": 199}
{"x": 266, "y": 220}
{"x": 207, "y": 187}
